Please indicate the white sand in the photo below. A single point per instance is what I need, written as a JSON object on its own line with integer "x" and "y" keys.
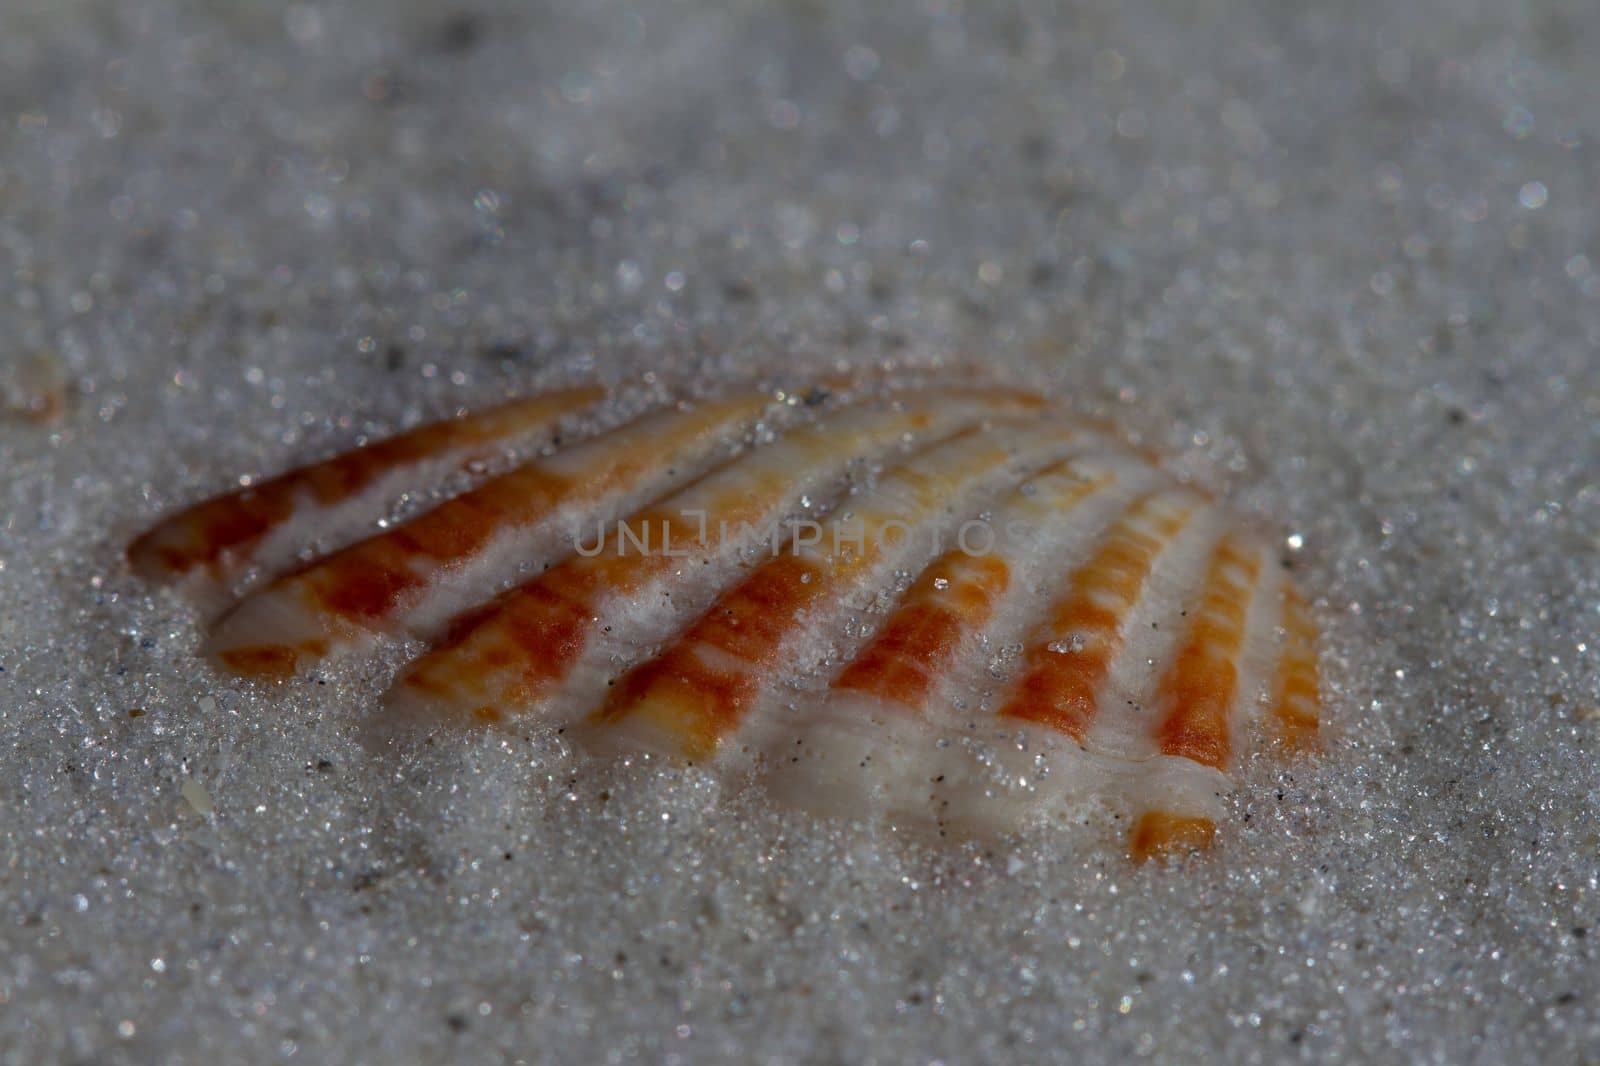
{"x": 1343, "y": 263}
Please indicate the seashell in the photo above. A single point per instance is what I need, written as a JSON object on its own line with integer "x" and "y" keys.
{"x": 955, "y": 609}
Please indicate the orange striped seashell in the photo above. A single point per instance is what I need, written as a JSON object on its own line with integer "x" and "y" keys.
{"x": 950, "y": 608}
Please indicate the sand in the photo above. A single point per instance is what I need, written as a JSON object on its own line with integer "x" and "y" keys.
{"x": 1341, "y": 263}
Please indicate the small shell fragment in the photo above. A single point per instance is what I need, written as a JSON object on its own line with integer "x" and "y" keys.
{"x": 34, "y": 387}
{"x": 953, "y": 609}
{"x": 195, "y": 794}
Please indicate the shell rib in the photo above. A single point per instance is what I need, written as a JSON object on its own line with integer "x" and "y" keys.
{"x": 534, "y": 646}
{"x": 219, "y": 539}
{"x": 409, "y": 578}
{"x": 953, "y": 609}
{"x": 697, "y": 692}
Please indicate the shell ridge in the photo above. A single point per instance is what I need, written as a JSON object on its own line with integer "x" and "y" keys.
{"x": 1259, "y": 656}
{"x": 709, "y": 706}
{"x": 406, "y": 578}
{"x": 1201, "y": 687}
{"x": 746, "y": 497}
{"x": 1133, "y": 700}
{"x": 216, "y": 540}
{"x": 882, "y": 699}
{"x": 1061, "y": 689}
{"x": 1064, "y": 544}
{"x": 1294, "y": 708}
{"x": 790, "y": 587}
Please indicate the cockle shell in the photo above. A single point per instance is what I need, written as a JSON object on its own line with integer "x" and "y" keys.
{"x": 946, "y": 607}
